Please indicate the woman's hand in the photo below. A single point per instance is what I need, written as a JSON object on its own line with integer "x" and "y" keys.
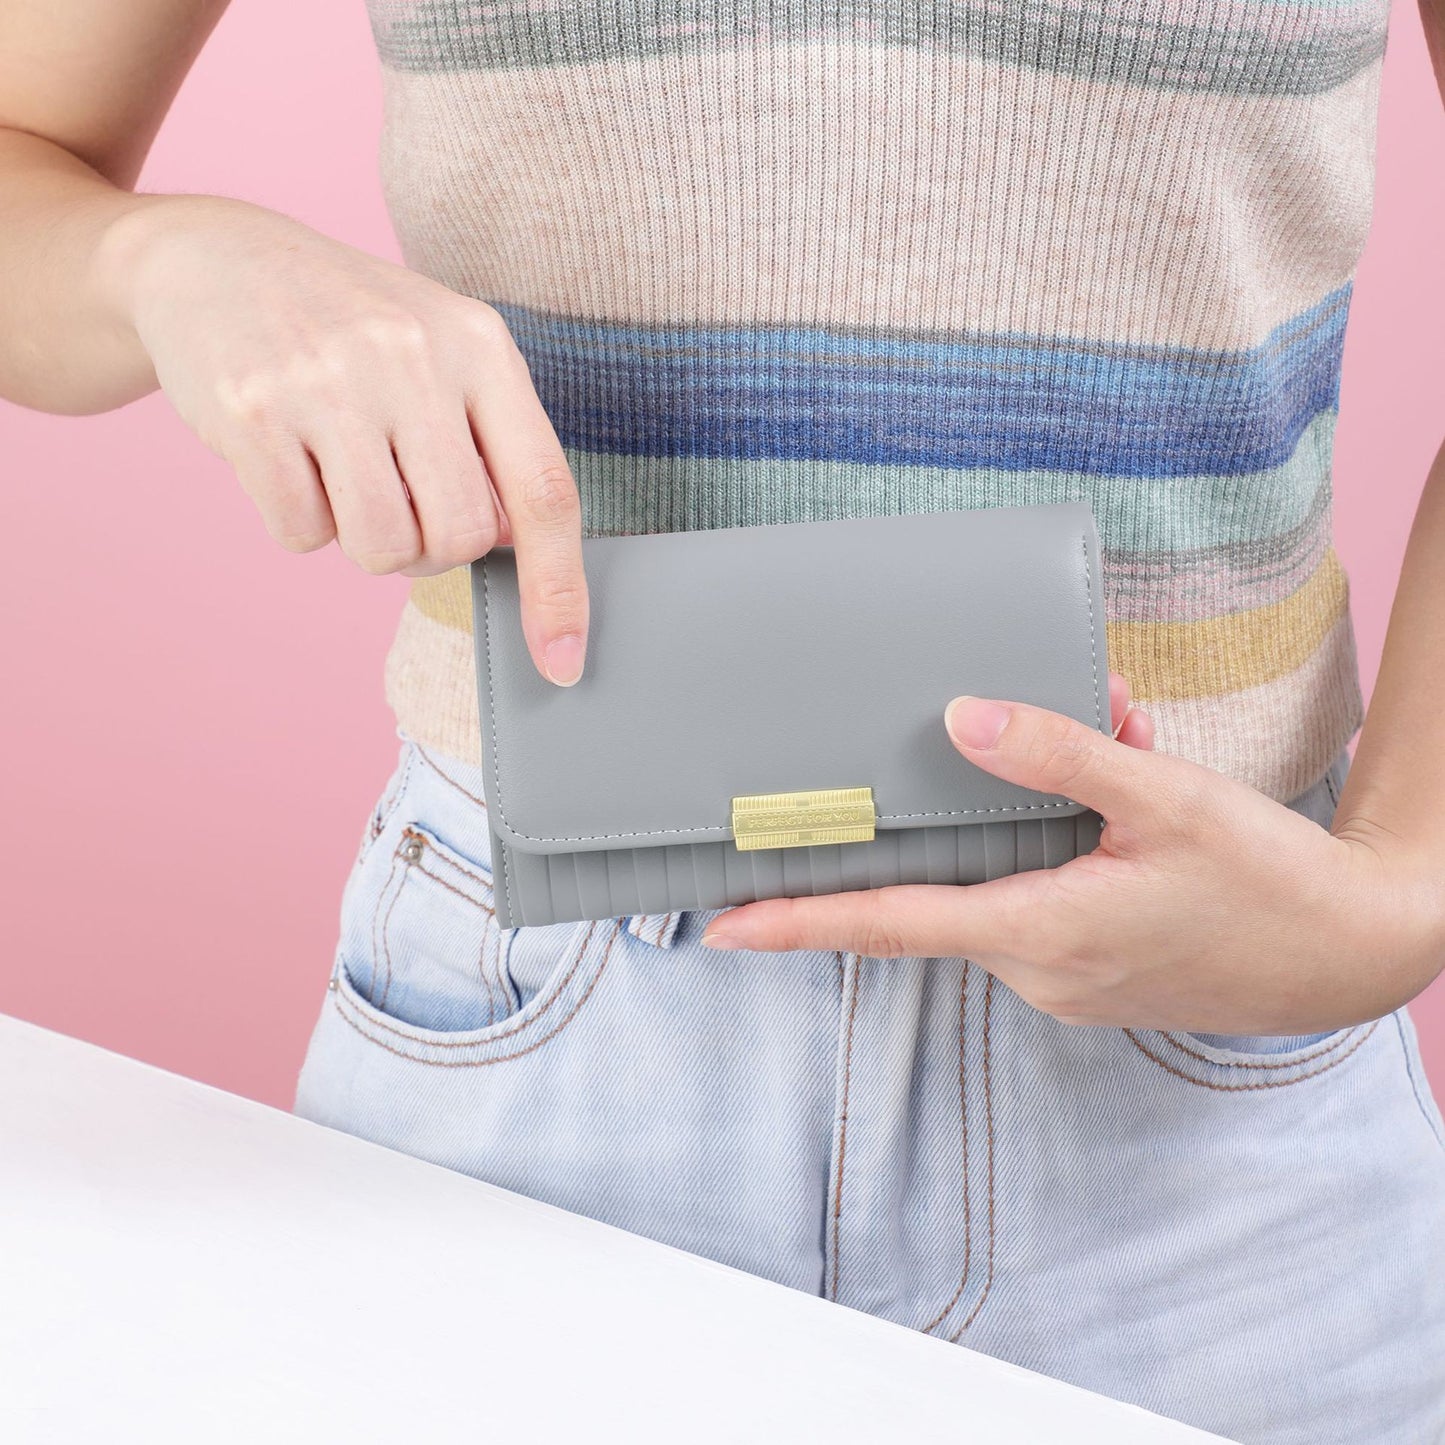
{"x": 1207, "y": 906}
{"x": 356, "y": 400}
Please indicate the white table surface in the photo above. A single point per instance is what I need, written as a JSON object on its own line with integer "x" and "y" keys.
{"x": 178, "y": 1263}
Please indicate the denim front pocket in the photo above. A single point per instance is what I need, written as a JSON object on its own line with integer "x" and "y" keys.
{"x": 1263, "y": 1063}
{"x": 422, "y": 967}
{"x": 434, "y": 957}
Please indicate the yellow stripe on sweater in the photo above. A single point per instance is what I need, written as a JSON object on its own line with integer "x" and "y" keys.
{"x": 1163, "y": 661}
{"x": 1178, "y": 660}
{"x": 445, "y": 598}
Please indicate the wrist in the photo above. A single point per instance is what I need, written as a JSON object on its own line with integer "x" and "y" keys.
{"x": 1421, "y": 904}
{"x": 121, "y": 253}
{"x": 136, "y": 251}
{"x": 1401, "y": 901}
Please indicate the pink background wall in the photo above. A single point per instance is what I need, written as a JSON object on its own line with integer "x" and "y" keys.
{"x": 196, "y": 729}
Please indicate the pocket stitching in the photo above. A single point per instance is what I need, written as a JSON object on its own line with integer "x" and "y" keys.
{"x": 448, "y": 779}
{"x": 474, "y": 1043}
{"x": 414, "y": 832}
{"x": 387, "y": 807}
{"x": 511, "y": 1001}
{"x": 1188, "y": 1078}
{"x": 392, "y": 1027}
{"x": 1329, "y": 1046}
{"x": 1426, "y": 1113}
{"x": 966, "y": 1269}
{"x": 452, "y": 888}
{"x": 487, "y": 935}
{"x": 379, "y": 948}
{"x": 381, "y": 925}
{"x": 386, "y": 936}
{"x": 843, "y": 1130}
{"x": 973, "y": 1314}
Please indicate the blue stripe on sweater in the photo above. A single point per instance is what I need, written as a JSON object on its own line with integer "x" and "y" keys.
{"x": 1011, "y": 402}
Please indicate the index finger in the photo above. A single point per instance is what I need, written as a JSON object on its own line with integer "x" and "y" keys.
{"x": 920, "y": 920}
{"x": 543, "y": 512}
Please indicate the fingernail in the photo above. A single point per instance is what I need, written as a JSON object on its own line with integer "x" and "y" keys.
{"x": 719, "y": 940}
{"x": 975, "y": 722}
{"x": 563, "y": 660}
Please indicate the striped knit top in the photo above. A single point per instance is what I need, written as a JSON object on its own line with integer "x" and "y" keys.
{"x": 777, "y": 260}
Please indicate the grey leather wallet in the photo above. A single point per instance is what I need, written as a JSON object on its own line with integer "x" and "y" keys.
{"x": 761, "y": 713}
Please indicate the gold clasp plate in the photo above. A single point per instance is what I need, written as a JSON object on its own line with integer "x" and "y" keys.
{"x": 803, "y": 820}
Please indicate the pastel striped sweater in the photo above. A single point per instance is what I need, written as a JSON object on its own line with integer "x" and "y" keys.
{"x": 775, "y": 260}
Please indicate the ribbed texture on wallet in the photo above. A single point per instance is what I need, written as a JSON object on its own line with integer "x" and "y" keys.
{"x": 537, "y": 888}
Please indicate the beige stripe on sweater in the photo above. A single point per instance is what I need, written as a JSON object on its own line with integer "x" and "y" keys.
{"x": 712, "y": 188}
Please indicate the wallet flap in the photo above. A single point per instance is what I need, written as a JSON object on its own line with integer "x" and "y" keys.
{"x": 804, "y": 656}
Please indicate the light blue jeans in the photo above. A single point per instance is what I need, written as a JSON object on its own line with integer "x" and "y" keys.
{"x": 1246, "y": 1234}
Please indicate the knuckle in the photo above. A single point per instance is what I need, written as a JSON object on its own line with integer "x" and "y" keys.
{"x": 381, "y": 564}
{"x": 395, "y": 332}
{"x": 351, "y": 353}
{"x": 1061, "y": 753}
{"x": 793, "y": 929}
{"x": 878, "y": 934}
{"x": 322, "y": 369}
{"x": 487, "y": 325}
{"x": 382, "y": 558}
{"x": 269, "y": 483}
{"x": 250, "y": 399}
{"x": 550, "y": 495}
{"x": 302, "y": 539}
{"x": 559, "y": 595}
{"x": 467, "y": 537}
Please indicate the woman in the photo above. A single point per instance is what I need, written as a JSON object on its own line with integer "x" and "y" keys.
{"x": 1154, "y": 1122}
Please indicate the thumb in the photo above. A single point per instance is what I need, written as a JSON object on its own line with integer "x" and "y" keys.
{"x": 1055, "y": 754}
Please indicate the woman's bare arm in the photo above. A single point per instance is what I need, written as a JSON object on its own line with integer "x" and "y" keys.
{"x": 83, "y": 90}
{"x": 356, "y": 400}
